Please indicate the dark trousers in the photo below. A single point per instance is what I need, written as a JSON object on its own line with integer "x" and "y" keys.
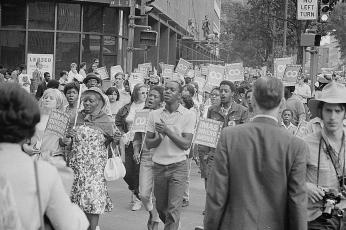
{"x": 132, "y": 170}
{"x": 323, "y": 223}
{"x": 170, "y": 183}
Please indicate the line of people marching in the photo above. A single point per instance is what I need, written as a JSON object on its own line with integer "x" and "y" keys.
{"x": 68, "y": 172}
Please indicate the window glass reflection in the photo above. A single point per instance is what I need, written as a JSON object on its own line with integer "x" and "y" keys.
{"x": 69, "y": 17}
{"x": 41, "y": 15}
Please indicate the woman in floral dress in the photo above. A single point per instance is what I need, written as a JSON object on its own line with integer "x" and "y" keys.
{"x": 91, "y": 137}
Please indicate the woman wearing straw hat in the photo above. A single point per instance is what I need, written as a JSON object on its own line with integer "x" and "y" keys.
{"x": 326, "y": 158}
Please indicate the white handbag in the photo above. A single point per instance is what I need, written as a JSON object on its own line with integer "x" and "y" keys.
{"x": 114, "y": 168}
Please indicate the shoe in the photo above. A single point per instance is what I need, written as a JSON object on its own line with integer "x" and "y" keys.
{"x": 185, "y": 203}
{"x": 137, "y": 204}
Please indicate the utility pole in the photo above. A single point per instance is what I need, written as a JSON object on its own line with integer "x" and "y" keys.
{"x": 313, "y": 66}
{"x": 285, "y": 29}
{"x": 131, "y": 31}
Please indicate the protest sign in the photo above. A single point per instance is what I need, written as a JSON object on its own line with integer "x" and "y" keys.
{"x": 280, "y": 66}
{"x": 235, "y": 72}
{"x": 167, "y": 71}
{"x": 102, "y": 71}
{"x": 291, "y": 73}
{"x": 208, "y": 132}
{"x": 190, "y": 74}
{"x": 183, "y": 66}
{"x": 307, "y": 9}
{"x": 114, "y": 70}
{"x": 57, "y": 123}
{"x": 45, "y": 63}
{"x": 136, "y": 78}
{"x": 216, "y": 75}
{"x": 204, "y": 70}
{"x": 140, "y": 121}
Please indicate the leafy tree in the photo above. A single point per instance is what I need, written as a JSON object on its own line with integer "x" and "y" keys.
{"x": 337, "y": 26}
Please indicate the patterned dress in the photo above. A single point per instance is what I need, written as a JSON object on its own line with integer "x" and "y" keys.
{"x": 88, "y": 160}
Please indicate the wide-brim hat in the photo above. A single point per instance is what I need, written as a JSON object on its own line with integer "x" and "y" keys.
{"x": 333, "y": 93}
{"x": 92, "y": 76}
{"x": 99, "y": 91}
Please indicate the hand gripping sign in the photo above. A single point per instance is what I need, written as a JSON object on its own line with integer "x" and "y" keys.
{"x": 140, "y": 122}
{"x": 280, "y": 66}
{"x": 183, "y": 66}
{"x": 235, "y": 72}
{"x": 291, "y": 73}
{"x": 208, "y": 132}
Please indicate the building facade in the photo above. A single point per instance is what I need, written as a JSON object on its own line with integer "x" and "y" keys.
{"x": 79, "y": 31}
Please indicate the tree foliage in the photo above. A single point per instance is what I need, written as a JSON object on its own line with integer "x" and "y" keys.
{"x": 337, "y": 26}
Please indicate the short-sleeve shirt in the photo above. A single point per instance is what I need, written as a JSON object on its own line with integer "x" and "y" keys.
{"x": 180, "y": 121}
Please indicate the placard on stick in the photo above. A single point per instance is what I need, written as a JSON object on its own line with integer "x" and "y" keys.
{"x": 140, "y": 121}
{"x": 57, "y": 123}
{"x": 208, "y": 132}
{"x": 183, "y": 66}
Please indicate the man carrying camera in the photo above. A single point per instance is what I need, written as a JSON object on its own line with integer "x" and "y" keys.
{"x": 326, "y": 160}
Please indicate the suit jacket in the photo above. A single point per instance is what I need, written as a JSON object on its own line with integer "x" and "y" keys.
{"x": 258, "y": 180}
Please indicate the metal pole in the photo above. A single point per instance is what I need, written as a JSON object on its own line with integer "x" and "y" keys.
{"x": 285, "y": 29}
{"x": 129, "y": 58}
{"x": 313, "y": 67}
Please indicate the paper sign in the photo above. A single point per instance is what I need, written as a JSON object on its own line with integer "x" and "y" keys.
{"x": 114, "y": 70}
{"x": 291, "y": 73}
{"x": 307, "y": 9}
{"x": 280, "y": 66}
{"x": 190, "y": 74}
{"x": 204, "y": 70}
{"x": 234, "y": 72}
{"x": 208, "y": 132}
{"x": 216, "y": 75}
{"x": 45, "y": 63}
{"x": 140, "y": 121}
{"x": 57, "y": 123}
{"x": 102, "y": 71}
{"x": 136, "y": 78}
{"x": 183, "y": 66}
{"x": 167, "y": 71}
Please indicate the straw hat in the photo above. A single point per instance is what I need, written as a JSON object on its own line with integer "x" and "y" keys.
{"x": 333, "y": 93}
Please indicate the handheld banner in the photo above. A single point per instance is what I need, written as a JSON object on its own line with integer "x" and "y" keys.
{"x": 235, "y": 72}
{"x": 183, "y": 66}
{"x": 57, "y": 123}
{"x": 215, "y": 76}
{"x": 102, "y": 71}
{"x": 114, "y": 70}
{"x": 291, "y": 73}
{"x": 208, "y": 132}
{"x": 280, "y": 66}
{"x": 140, "y": 121}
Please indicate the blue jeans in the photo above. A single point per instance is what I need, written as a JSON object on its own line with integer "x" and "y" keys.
{"x": 172, "y": 181}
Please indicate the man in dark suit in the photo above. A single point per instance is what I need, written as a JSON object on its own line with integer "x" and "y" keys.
{"x": 258, "y": 180}
{"x": 42, "y": 86}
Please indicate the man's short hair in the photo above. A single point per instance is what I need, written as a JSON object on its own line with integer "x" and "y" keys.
{"x": 268, "y": 92}
{"x": 45, "y": 74}
{"x": 230, "y": 84}
{"x": 287, "y": 110}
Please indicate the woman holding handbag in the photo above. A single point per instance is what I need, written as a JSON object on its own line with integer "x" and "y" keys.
{"x": 19, "y": 115}
{"x": 90, "y": 140}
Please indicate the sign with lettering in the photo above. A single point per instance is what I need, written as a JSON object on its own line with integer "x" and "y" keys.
{"x": 235, "y": 72}
{"x": 102, "y": 71}
{"x": 291, "y": 73}
{"x": 280, "y": 66}
{"x": 140, "y": 121}
{"x": 208, "y": 132}
{"x": 57, "y": 123}
{"x": 136, "y": 78}
{"x": 167, "y": 71}
{"x": 40, "y": 63}
{"x": 216, "y": 75}
{"x": 114, "y": 70}
{"x": 183, "y": 66}
{"x": 307, "y": 9}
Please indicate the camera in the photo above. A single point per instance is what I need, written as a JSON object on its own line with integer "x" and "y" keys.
{"x": 329, "y": 202}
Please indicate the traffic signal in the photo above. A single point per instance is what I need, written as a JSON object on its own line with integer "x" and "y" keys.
{"x": 148, "y": 37}
{"x": 325, "y": 9}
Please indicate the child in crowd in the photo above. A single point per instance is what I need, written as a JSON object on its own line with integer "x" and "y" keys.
{"x": 287, "y": 116}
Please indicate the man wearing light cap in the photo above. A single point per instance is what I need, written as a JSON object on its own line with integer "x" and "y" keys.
{"x": 326, "y": 160}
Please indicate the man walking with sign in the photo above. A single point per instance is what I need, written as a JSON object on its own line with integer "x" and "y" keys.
{"x": 258, "y": 180}
{"x": 170, "y": 131}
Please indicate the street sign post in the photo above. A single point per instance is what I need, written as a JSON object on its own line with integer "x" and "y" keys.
{"x": 307, "y": 9}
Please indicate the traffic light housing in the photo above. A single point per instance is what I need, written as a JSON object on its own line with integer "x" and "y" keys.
{"x": 325, "y": 8}
{"x": 148, "y": 38}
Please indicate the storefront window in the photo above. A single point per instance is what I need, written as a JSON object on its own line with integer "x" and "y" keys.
{"x": 109, "y": 45}
{"x": 91, "y": 47}
{"x": 69, "y": 17}
{"x": 41, "y": 15}
{"x": 12, "y": 48}
{"x": 67, "y": 51}
{"x": 92, "y": 18}
{"x": 13, "y": 14}
{"x": 41, "y": 42}
{"x": 111, "y": 21}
